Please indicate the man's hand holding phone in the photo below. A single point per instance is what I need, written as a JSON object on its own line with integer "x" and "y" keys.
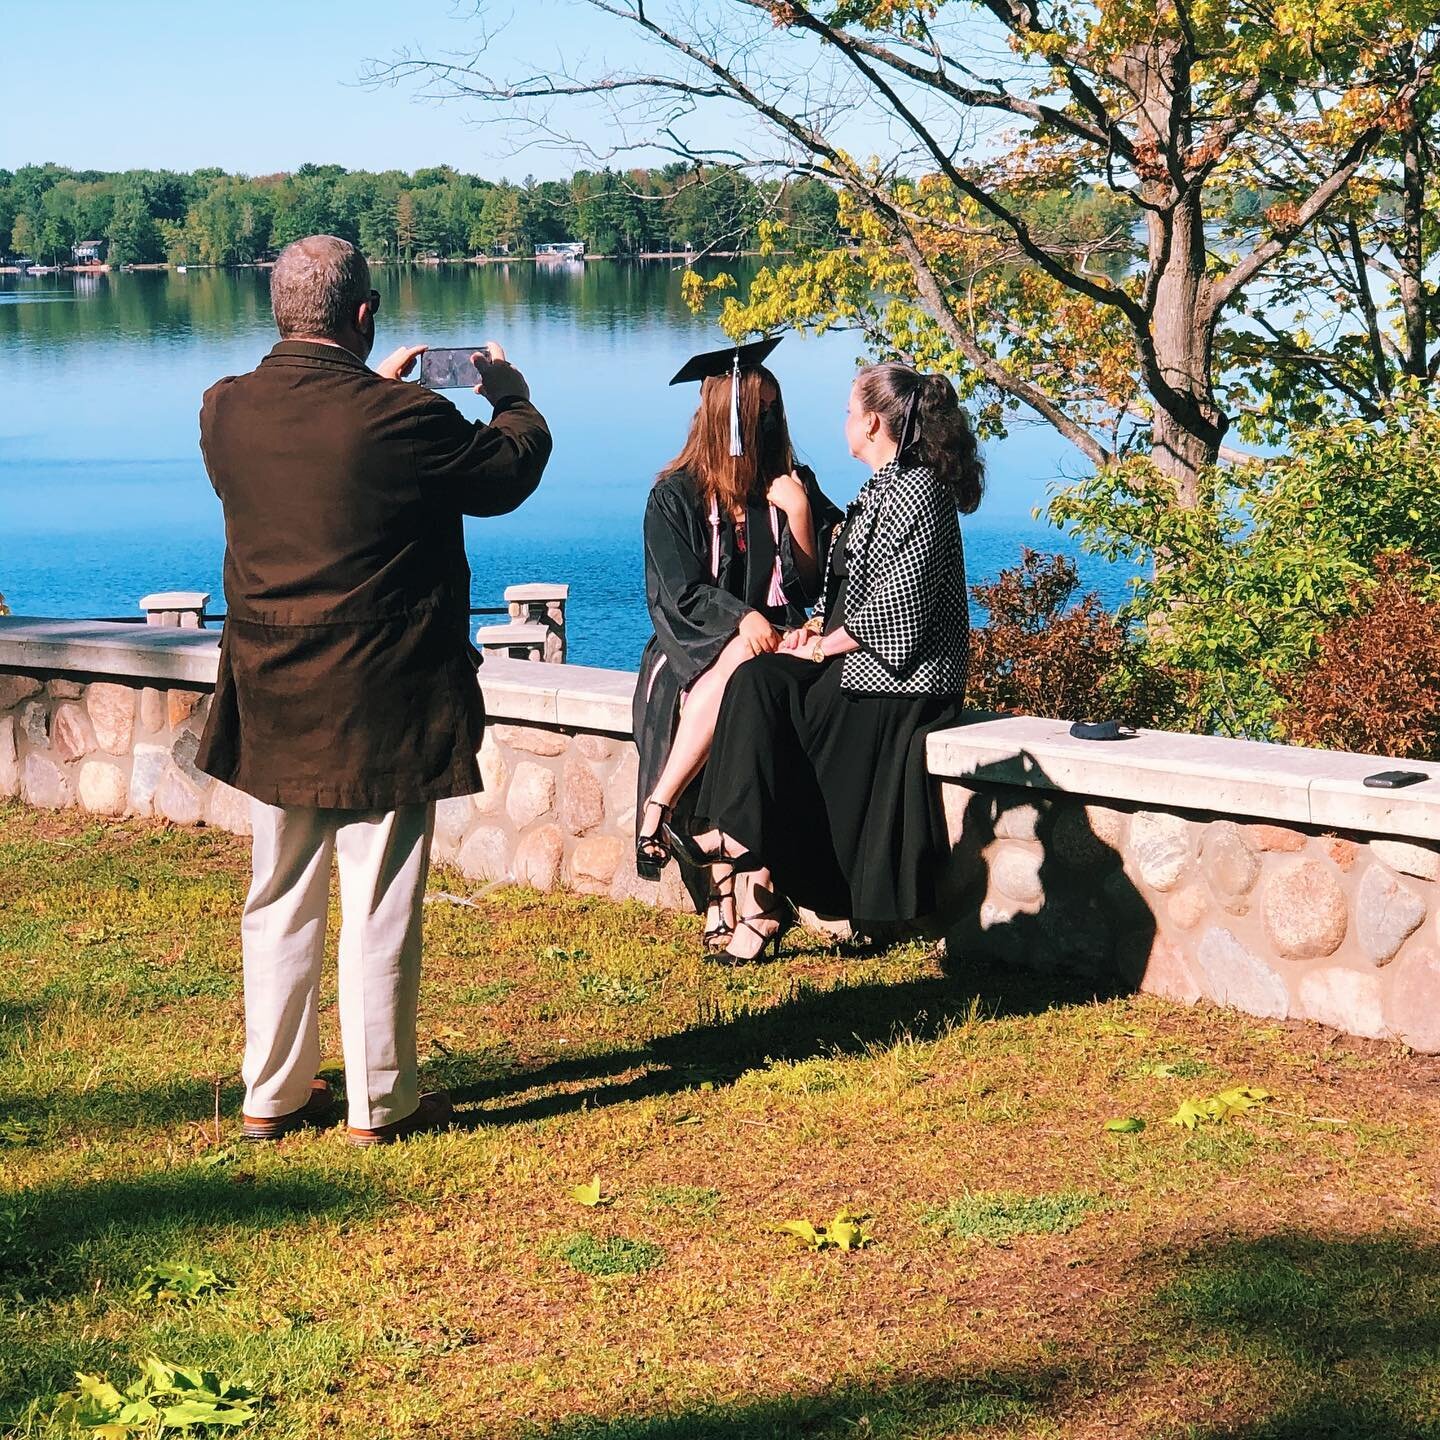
{"x": 399, "y": 363}
{"x": 499, "y": 379}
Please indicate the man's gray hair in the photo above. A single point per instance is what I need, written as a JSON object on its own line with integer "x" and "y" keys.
{"x": 316, "y": 285}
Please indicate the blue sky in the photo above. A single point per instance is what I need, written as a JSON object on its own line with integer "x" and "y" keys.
{"x": 269, "y": 84}
{"x": 261, "y": 86}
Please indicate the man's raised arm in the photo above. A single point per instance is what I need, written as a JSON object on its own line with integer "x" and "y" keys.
{"x": 490, "y": 468}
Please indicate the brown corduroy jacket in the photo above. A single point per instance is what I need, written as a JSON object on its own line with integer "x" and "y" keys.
{"x": 347, "y": 677}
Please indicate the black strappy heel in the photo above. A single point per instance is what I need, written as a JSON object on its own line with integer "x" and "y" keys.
{"x": 652, "y": 850}
{"x": 782, "y": 912}
{"x": 685, "y": 847}
{"x": 717, "y": 937}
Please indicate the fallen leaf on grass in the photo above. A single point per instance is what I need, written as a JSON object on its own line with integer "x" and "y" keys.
{"x": 164, "y": 1397}
{"x": 845, "y": 1232}
{"x": 1219, "y": 1108}
{"x": 1129, "y": 1125}
{"x": 1236, "y": 1101}
{"x": 590, "y": 1195}
{"x": 1191, "y": 1114}
{"x": 175, "y": 1280}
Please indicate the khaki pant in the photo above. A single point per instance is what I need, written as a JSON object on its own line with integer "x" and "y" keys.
{"x": 384, "y": 857}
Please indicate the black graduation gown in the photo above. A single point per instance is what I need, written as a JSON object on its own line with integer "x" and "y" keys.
{"x": 696, "y": 616}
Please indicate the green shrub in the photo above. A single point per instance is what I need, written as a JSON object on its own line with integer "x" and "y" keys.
{"x": 1234, "y": 595}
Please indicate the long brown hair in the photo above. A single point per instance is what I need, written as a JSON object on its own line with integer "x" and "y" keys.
{"x": 732, "y": 480}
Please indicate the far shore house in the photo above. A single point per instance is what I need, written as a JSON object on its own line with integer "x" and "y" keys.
{"x": 88, "y": 252}
{"x": 561, "y": 250}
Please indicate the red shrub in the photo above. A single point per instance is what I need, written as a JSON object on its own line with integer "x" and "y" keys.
{"x": 1034, "y": 656}
{"x": 1375, "y": 685}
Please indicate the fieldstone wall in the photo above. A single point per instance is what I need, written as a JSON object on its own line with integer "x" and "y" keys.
{"x": 1293, "y": 920}
{"x": 111, "y": 748}
{"x": 1276, "y": 920}
{"x": 558, "y": 808}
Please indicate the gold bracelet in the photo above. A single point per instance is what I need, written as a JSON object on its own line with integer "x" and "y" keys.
{"x": 818, "y": 653}
{"x": 815, "y": 625}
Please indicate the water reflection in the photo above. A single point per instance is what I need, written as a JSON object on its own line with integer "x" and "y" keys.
{"x": 103, "y": 496}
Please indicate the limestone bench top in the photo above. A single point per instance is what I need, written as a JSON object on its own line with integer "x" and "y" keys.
{"x": 1281, "y": 783}
{"x": 579, "y": 696}
{"x": 98, "y": 647}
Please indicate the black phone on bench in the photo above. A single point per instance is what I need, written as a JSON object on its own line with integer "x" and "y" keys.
{"x": 1395, "y": 779}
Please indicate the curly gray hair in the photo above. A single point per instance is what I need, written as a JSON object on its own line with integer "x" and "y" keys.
{"x": 316, "y": 285}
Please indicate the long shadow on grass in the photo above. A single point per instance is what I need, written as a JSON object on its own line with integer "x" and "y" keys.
{"x": 940, "y": 1406}
{"x": 1312, "y": 1338}
{"x": 180, "y": 1100}
{"x": 1075, "y": 948}
{"x": 1341, "y": 1335}
{"x": 845, "y": 1020}
{"x": 66, "y": 1237}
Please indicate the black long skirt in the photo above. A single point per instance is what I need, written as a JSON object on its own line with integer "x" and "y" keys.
{"x": 829, "y": 788}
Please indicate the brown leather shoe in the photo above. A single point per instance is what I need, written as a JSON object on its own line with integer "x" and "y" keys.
{"x": 434, "y": 1112}
{"x": 317, "y": 1110}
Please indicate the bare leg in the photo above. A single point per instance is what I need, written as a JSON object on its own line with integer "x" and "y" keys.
{"x": 696, "y": 728}
{"x": 694, "y": 733}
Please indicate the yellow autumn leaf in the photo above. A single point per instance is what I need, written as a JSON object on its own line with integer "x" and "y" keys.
{"x": 845, "y": 1232}
{"x": 1235, "y": 1102}
{"x": 1190, "y": 1115}
{"x": 805, "y": 1232}
{"x": 590, "y": 1195}
{"x": 1220, "y": 1107}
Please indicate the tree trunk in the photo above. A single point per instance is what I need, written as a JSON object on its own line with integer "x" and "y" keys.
{"x": 1185, "y": 435}
{"x": 1188, "y": 426}
{"x": 1412, "y": 257}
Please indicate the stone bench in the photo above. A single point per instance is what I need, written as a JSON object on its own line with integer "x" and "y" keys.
{"x": 517, "y": 640}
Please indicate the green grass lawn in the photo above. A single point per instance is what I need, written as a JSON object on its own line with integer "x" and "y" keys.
{"x": 1028, "y": 1272}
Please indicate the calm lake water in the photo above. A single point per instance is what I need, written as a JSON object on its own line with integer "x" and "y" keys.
{"x": 103, "y": 496}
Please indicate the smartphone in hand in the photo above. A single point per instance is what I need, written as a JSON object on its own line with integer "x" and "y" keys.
{"x": 450, "y": 369}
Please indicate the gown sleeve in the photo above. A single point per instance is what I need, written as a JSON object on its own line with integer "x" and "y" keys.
{"x": 825, "y": 517}
{"x": 694, "y": 618}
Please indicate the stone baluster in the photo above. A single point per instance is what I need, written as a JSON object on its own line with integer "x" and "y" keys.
{"x": 176, "y": 609}
{"x": 542, "y": 604}
{"x": 536, "y": 627}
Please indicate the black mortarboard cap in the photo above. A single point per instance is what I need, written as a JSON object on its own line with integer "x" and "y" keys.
{"x": 729, "y": 361}
{"x": 720, "y": 363}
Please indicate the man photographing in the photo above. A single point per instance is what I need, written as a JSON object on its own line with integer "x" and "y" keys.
{"x": 346, "y": 702}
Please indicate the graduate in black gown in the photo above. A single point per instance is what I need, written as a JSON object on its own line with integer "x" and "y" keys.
{"x": 817, "y": 788}
{"x": 735, "y": 537}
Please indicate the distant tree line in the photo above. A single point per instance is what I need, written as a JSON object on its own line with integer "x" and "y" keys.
{"x": 209, "y": 217}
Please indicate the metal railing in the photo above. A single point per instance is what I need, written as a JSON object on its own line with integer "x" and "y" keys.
{"x": 207, "y": 616}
